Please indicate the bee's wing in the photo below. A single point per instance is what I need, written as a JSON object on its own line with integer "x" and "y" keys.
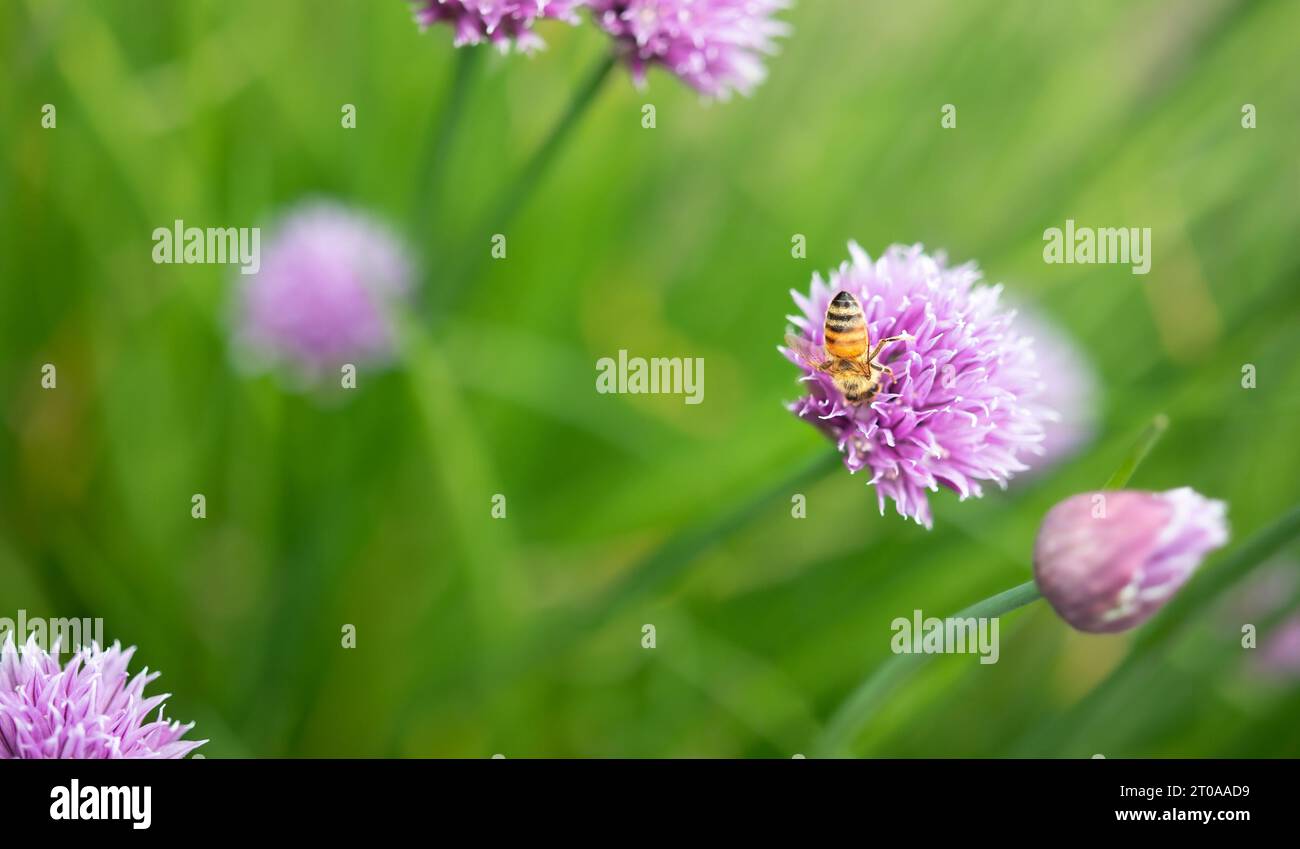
{"x": 810, "y": 354}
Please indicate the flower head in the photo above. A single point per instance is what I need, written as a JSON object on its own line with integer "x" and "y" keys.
{"x": 1107, "y": 561}
{"x": 321, "y": 298}
{"x": 716, "y": 46}
{"x": 505, "y": 23}
{"x": 84, "y": 709}
{"x": 1069, "y": 399}
{"x": 961, "y": 405}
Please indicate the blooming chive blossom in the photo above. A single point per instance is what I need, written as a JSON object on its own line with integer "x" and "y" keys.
{"x": 716, "y": 46}
{"x": 1069, "y": 396}
{"x": 85, "y": 709}
{"x": 961, "y": 407}
{"x": 1107, "y": 561}
{"x": 329, "y": 277}
{"x": 505, "y": 23}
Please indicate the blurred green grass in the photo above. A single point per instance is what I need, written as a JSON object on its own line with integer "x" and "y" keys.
{"x": 673, "y": 241}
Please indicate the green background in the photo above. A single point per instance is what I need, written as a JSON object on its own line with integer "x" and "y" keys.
{"x": 523, "y": 635}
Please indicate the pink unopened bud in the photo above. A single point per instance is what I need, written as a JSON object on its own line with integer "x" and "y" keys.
{"x": 1107, "y": 561}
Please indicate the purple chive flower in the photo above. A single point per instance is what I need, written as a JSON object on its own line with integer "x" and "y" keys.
{"x": 962, "y": 405}
{"x": 1263, "y": 597}
{"x": 716, "y": 46}
{"x": 1069, "y": 398}
{"x": 321, "y": 298}
{"x": 505, "y": 23}
{"x": 1107, "y": 561}
{"x": 1279, "y": 651}
{"x": 86, "y": 709}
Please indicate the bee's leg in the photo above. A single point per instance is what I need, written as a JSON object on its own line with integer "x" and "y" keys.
{"x": 875, "y": 352}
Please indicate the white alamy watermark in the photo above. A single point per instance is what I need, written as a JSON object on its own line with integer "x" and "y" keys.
{"x": 75, "y": 802}
{"x": 179, "y": 244}
{"x": 65, "y": 635}
{"x": 1098, "y": 245}
{"x": 953, "y": 635}
{"x": 654, "y": 376}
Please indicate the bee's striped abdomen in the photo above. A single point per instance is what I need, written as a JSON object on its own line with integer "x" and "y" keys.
{"x": 846, "y": 329}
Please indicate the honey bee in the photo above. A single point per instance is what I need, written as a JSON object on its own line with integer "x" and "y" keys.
{"x": 855, "y": 372}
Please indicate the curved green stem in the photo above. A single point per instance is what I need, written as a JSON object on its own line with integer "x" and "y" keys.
{"x": 671, "y": 559}
{"x": 521, "y": 189}
{"x": 863, "y": 702}
{"x": 532, "y": 173}
{"x": 429, "y": 182}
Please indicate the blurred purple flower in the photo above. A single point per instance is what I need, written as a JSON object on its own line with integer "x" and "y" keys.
{"x": 962, "y": 406}
{"x": 1264, "y": 593}
{"x": 505, "y": 23}
{"x": 328, "y": 278}
{"x": 716, "y": 46}
{"x": 86, "y": 709}
{"x": 1107, "y": 561}
{"x": 1267, "y": 595}
{"x": 1279, "y": 651}
{"x": 1069, "y": 397}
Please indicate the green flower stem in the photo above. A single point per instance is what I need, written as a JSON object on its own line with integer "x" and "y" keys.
{"x": 522, "y": 188}
{"x": 536, "y": 168}
{"x": 670, "y": 560}
{"x": 863, "y": 702}
{"x": 428, "y": 185}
